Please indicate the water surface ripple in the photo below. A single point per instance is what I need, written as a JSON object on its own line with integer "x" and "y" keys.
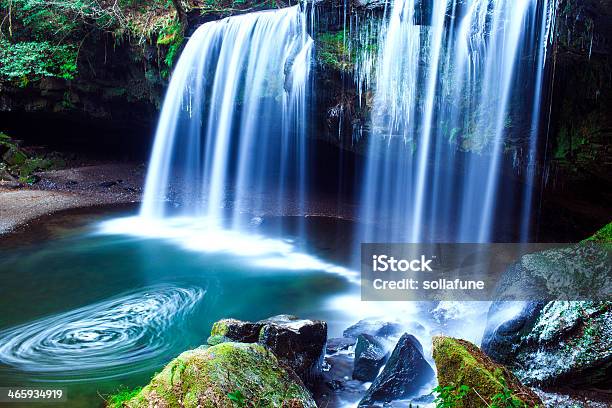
{"x": 126, "y": 330}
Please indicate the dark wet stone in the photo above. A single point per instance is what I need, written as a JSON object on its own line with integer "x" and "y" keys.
{"x": 370, "y": 356}
{"x": 338, "y": 389}
{"x": 339, "y": 343}
{"x": 405, "y": 373}
{"x": 107, "y": 184}
{"x": 298, "y": 343}
{"x": 237, "y": 330}
{"x": 502, "y": 336}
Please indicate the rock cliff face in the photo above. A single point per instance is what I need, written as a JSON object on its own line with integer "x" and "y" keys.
{"x": 119, "y": 80}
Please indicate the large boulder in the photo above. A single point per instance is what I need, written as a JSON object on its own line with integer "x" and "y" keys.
{"x": 370, "y": 356}
{"x": 405, "y": 374}
{"x": 298, "y": 343}
{"x": 507, "y": 324}
{"x": 460, "y": 363}
{"x": 554, "y": 343}
{"x": 569, "y": 344}
{"x": 220, "y": 375}
{"x": 574, "y": 272}
{"x": 236, "y": 330}
{"x": 558, "y": 342}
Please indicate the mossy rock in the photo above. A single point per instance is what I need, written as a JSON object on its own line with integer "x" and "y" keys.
{"x": 568, "y": 344}
{"x": 236, "y": 330}
{"x": 217, "y": 339}
{"x": 460, "y": 362}
{"x": 217, "y": 376}
{"x": 604, "y": 235}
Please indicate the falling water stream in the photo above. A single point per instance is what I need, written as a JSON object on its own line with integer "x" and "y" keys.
{"x": 453, "y": 80}
{"x": 231, "y": 141}
{"x": 233, "y": 121}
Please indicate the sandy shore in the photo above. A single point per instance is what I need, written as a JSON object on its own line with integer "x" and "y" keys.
{"x": 87, "y": 186}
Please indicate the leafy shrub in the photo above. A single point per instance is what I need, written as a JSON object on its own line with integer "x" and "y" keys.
{"x": 42, "y": 38}
{"x": 31, "y": 61}
{"x": 449, "y": 396}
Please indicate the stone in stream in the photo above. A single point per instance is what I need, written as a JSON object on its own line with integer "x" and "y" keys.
{"x": 370, "y": 356}
{"x": 218, "y": 376}
{"x": 460, "y": 362}
{"x": 337, "y": 344}
{"x": 299, "y": 343}
{"x": 405, "y": 374}
{"x": 237, "y": 330}
{"x": 563, "y": 343}
{"x": 107, "y": 184}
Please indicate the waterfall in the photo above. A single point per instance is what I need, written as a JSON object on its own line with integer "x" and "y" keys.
{"x": 231, "y": 135}
{"x": 455, "y": 82}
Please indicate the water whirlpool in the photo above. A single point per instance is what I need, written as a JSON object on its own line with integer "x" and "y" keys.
{"x": 126, "y": 331}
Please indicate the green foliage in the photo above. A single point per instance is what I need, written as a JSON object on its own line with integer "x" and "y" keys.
{"x": 449, "y": 396}
{"x": 332, "y": 51}
{"x": 506, "y": 399}
{"x": 15, "y": 161}
{"x": 117, "y": 400}
{"x": 41, "y": 38}
{"x": 24, "y": 62}
{"x": 172, "y": 36}
{"x": 604, "y": 235}
{"x": 237, "y": 398}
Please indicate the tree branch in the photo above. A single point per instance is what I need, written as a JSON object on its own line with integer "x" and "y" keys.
{"x": 181, "y": 14}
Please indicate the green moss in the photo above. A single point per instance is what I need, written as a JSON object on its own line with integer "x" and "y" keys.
{"x": 604, "y": 235}
{"x": 117, "y": 400}
{"x": 219, "y": 328}
{"x": 171, "y": 36}
{"x": 18, "y": 162}
{"x": 217, "y": 339}
{"x": 460, "y": 363}
{"x": 207, "y": 377}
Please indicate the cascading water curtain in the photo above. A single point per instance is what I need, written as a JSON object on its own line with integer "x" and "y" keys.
{"x": 455, "y": 82}
{"x": 232, "y": 128}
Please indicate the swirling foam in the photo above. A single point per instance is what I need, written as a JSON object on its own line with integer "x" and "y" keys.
{"x": 122, "y": 331}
